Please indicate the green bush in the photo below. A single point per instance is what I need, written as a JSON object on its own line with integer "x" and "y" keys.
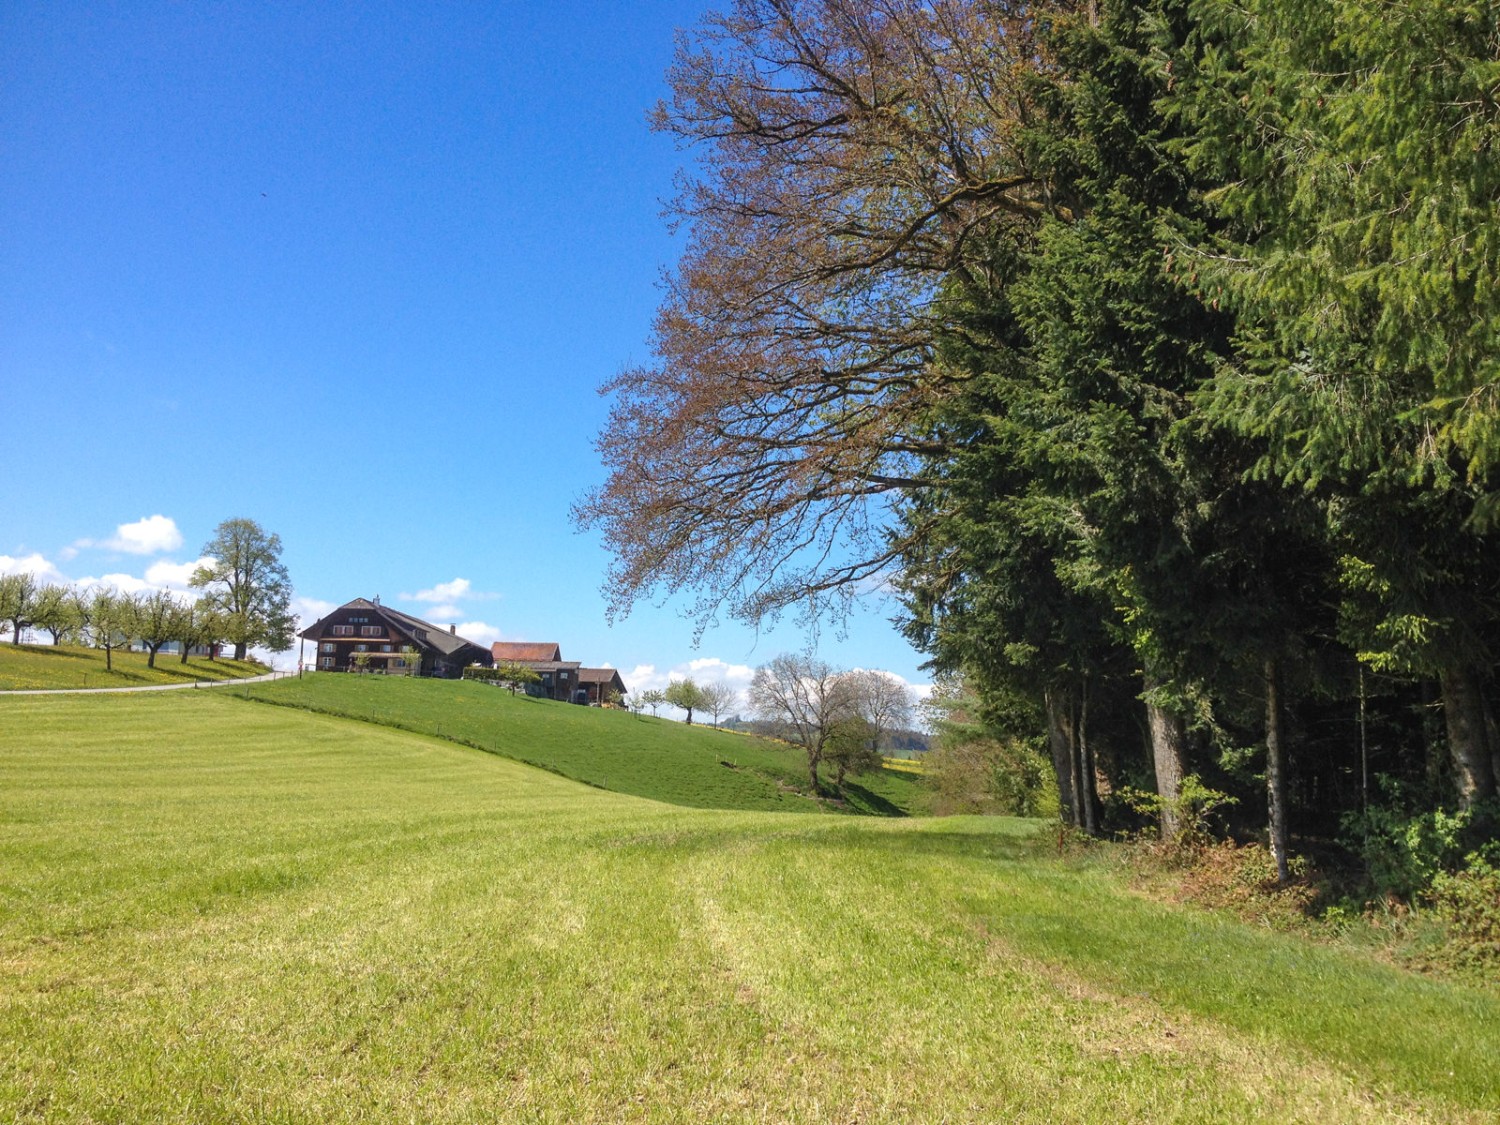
{"x": 1468, "y": 902}
{"x": 1404, "y": 851}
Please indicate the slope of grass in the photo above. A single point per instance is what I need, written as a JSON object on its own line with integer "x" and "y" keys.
{"x": 646, "y": 757}
{"x": 74, "y": 666}
{"x": 217, "y": 912}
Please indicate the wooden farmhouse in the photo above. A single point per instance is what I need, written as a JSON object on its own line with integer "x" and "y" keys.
{"x": 566, "y": 680}
{"x": 364, "y": 635}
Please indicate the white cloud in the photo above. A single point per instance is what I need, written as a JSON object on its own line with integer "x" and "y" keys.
{"x": 149, "y": 535}
{"x": 309, "y": 610}
{"x": 442, "y": 592}
{"x": 174, "y": 576}
{"x": 124, "y": 583}
{"x": 710, "y": 669}
{"x": 480, "y": 632}
{"x": 444, "y": 613}
{"x": 446, "y": 593}
{"x": 33, "y": 564}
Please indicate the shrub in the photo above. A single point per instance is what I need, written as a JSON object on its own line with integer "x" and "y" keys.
{"x": 1404, "y": 851}
{"x": 1196, "y": 805}
{"x": 1468, "y": 902}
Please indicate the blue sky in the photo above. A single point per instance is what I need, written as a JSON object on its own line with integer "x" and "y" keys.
{"x": 354, "y": 272}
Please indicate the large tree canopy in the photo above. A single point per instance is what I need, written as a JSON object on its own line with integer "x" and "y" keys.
{"x": 247, "y": 584}
{"x": 1148, "y": 350}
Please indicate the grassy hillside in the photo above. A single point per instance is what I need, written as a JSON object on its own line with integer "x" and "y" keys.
{"x": 223, "y": 912}
{"x": 636, "y": 754}
{"x": 73, "y": 666}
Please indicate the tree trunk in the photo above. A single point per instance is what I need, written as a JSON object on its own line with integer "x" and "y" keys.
{"x": 1275, "y": 774}
{"x": 1432, "y": 743}
{"x": 1468, "y": 738}
{"x": 1168, "y": 753}
{"x": 184, "y": 653}
{"x": 813, "y": 758}
{"x": 150, "y": 656}
{"x": 108, "y": 662}
{"x": 1086, "y": 786}
{"x": 1059, "y": 704}
{"x": 239, "y": 650}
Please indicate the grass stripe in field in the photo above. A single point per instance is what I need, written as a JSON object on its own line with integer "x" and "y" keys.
{"x": 215, "y": 911}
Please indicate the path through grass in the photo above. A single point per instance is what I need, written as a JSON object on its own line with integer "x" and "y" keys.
{"x": 215, "y": 911}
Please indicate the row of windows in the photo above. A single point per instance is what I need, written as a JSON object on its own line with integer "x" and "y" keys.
{"x": 328, "y": 661}
{"x": 329, "y": 646}
{"x": 364, "y": 630}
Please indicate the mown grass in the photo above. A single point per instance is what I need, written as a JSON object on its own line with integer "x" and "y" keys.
{"x": 74, "y": 666}
{"x": 637, "y": 754}
{"x": 221, "y": 912}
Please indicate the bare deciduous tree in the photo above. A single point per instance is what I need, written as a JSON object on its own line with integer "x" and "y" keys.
{"x": 806, "y": 698}
{"x": 850, "y": 153}
{"x": 719, "y": 699}
{"x": 883, "y": 701}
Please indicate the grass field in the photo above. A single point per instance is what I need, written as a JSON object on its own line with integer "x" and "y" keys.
{"x": 73, "y": 666}
{"x": 646, "y": 757}
{"x": 220, "y": 911}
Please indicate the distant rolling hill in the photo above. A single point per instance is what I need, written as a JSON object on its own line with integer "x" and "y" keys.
{"x": 694, "y": 766}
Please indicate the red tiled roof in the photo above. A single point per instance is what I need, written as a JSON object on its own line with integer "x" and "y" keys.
{"x": 525, "y": 651}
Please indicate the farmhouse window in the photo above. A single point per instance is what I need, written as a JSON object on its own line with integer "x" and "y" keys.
{"x": 399, "y": 663}
{"x": 361, "y": 648}
{"x": 372, "y": 631}
{"x": 326, "y": 662}
{"x": 329, "y": 646}
{"x": 342, "y": 630}
{"x": 386, "y": 648}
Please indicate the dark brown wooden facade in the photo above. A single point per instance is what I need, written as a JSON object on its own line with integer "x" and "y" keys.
{"x": 561, "y": 679}
{"x": 364, "y": 635}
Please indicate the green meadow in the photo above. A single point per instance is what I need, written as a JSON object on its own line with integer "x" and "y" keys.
{"x": 217, "y": 910}
{"x": 644, "y": 756}
{"x": 75, "y": 666}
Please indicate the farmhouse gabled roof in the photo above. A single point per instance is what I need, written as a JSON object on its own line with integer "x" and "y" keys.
{"x": 423, "y": 632}
{"x": 526, "y": 652}
{"x": 598, "y": 675}
{"x": 604, "y": 677}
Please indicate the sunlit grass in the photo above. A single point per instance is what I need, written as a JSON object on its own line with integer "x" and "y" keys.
{"x": 636, "y": 754}
{"x": 74, "y": 666}
{"x": 216, "y": 911}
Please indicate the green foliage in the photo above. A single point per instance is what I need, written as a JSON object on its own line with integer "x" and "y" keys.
{"x": 1468, "y": 902}
{"x": 1405, "y": 850}
{"x": 975, "y": 768}
{"x": 851, "y": 748}
{"x": 513, "y": 675}
{"x": 246, "y": 583}
{"x": 685, "y": 695}
{"x": 1198, "y": 810}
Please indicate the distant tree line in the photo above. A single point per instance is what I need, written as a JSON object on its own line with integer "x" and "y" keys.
{"x": 1148, "y": 351}
{"x": 245, "y": 602}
